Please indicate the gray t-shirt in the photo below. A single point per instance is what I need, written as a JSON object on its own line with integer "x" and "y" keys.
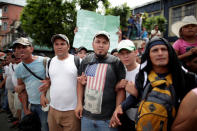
{"x": 102, "y": 77}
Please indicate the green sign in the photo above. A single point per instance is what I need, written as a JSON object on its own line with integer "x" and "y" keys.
{"x": 89, "y": 23}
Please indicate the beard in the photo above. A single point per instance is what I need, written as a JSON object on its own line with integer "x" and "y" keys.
{"x": 101, "y": 56}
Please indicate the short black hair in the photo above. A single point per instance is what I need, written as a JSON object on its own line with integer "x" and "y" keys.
{"x": 113, "y": 51}
{"x": 81, "y": 48}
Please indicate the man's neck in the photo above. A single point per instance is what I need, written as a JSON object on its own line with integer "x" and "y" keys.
{"x": 160, "y": 70}
{"x": 100, "y": 57}
{"x": 131, "y": 67}
{"x": 62, "y": 57}
{"x": 30, "y": 59}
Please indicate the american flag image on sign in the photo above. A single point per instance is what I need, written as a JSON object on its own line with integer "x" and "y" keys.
{"x": 96, "y": 75}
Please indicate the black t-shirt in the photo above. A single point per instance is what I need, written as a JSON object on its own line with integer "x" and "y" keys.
{"x": 102, "y": 77}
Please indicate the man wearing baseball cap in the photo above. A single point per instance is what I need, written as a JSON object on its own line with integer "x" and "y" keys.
{"x": 27, "y": 81}
{"x": 127, "y": 53}
{"x": 99, "y": 74}
{"x": 62, "y": 78}
{"x": 82, "y": 52}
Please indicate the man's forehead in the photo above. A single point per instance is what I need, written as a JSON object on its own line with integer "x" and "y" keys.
{"x": 158, "y": 47}
{"x": 102, "y": 37}
{"x": 60, "y": 39}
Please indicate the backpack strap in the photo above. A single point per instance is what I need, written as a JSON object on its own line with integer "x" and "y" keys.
{"x": 48, "y": 65}
{"x": 12, "y": 68}
{"x": 45, "y": 62}
{"x": 77, "y": 61}
{"x": 147, "y": 89}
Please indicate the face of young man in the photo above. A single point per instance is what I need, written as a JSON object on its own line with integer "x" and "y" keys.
{"x": 61, "y": 48}
{"x": 101, "y": 46}
{"x": 24, "y": 52}
{"x": 128, "y": 58}
{"x": 82, "y": 54}
{"x": 159, "y": 56}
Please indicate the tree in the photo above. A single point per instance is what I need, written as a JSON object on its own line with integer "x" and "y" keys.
{"x": 155, "y": 20}
{"x": 92, "y": 5}
{"x": 123, "y": 11}
{"x": 41, "y": 19}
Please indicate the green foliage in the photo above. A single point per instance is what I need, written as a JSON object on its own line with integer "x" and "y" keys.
{"x": 123, "y": 11}
{"x": 92, "y": 5}
{"x": 150, "y": 22}
{"x": 41, "y": 19}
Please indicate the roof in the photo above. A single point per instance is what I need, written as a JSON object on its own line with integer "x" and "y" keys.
{"x": 147, "y": 3}
{"x": 14, "y": 2}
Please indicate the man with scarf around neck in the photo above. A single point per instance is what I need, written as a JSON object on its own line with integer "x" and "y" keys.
{"x": 159, "y": 59}
{"x": 97, "y": 98}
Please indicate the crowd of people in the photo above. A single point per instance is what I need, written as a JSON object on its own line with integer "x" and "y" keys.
{"x": 135, "y": 29}
{"x": 99, "y": 91}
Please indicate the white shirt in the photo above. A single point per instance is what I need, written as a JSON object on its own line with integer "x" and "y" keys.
{"x": 130, "y": 76}
{"x": 63, "y": 75}
{"x": 157, "y": 34}
{"x": 14, "y": 79}
{"x": 8, "y": 72}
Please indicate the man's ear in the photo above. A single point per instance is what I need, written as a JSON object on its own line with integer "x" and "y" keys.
{"x": 68, "y": 46}
{"x": 136, "y": 51}
{"x": 32, "y": 49}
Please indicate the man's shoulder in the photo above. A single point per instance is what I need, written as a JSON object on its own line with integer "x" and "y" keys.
{"x": 112, "y": 59}
{"x": 42, "y": 58}
{"x": 89, "y": 58}
{"x": 19, "y": 67}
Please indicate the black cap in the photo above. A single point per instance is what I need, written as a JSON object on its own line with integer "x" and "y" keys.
{"x": 81, "y": 48}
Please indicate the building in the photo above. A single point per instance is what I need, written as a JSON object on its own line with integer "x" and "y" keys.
{"x": 10, "y": 15}
{"x": 11, "y": 26}
{"x": 172, "y": 10}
